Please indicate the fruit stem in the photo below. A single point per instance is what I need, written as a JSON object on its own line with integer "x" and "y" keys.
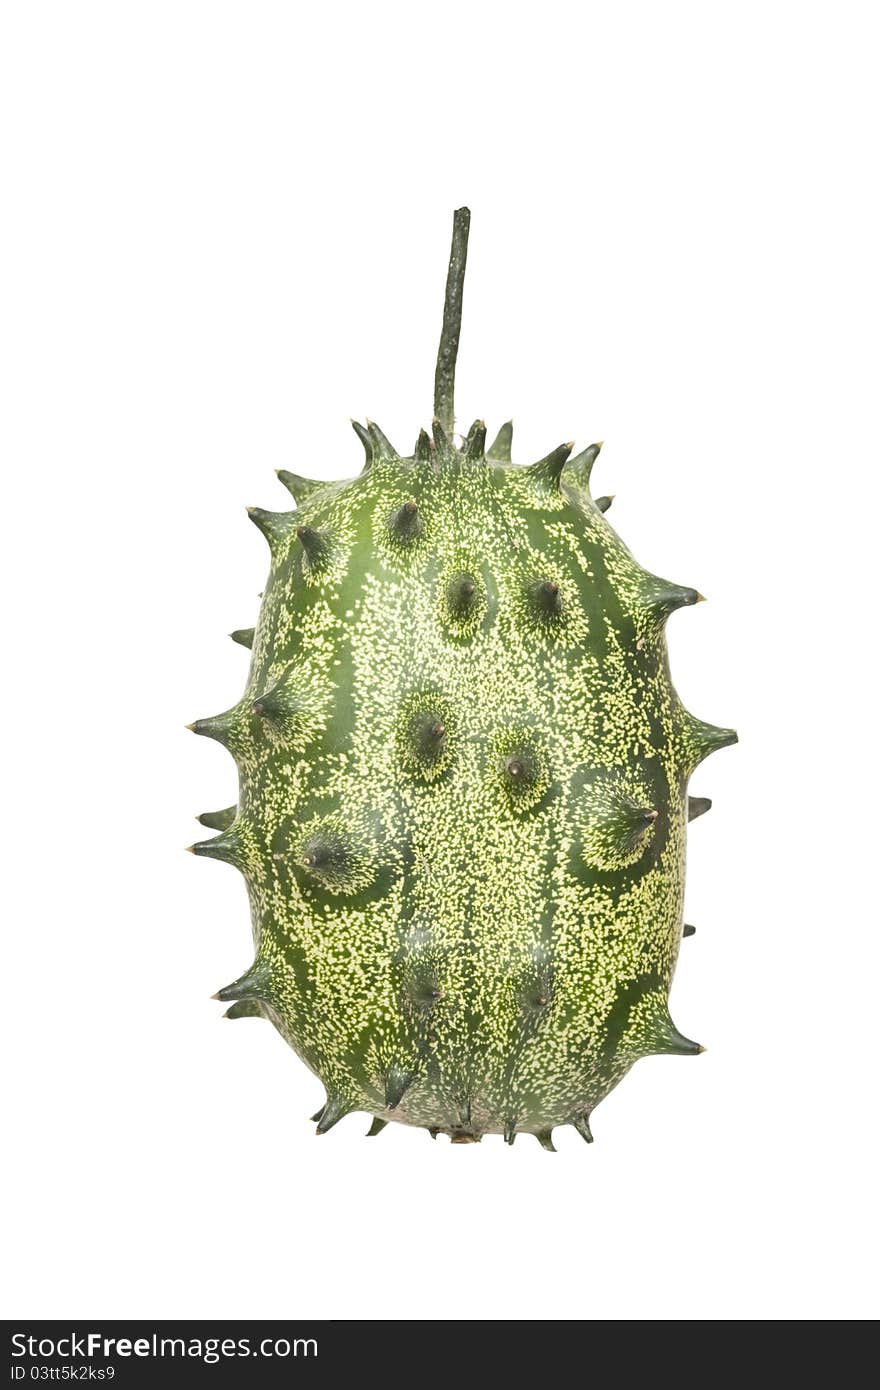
{"x": 444, "y": 377}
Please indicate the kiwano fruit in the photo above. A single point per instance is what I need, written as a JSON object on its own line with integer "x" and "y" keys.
{"x": 463, "y": 774}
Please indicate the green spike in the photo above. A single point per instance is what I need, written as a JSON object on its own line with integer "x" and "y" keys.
{"x": 316, "y": 547}
{"x": 254, "y": 984}
{"x": 546, "y": 599}
{"x": 510, "y": 1131}
{"x": 317, "y": 1115}
{"x": 364, "y": 436}
{"x": 422, "y": 985}
{"x": 698, "y": 806}
{"x": 427, "y": 738}
{"x": 706, "y": 739}
{"x": 446, "y": 453}
{"x": 547, "y": 471}
{"x": 617, "y": 830}
{"x": 246, "y": 1008}
{"x": 475, "y": 444}
{"x": 535, "y": 1002}
{"x": 545, "y": 1139}
{"x": 462, "y": 597}
{"x": 521, "y": 770}
{"x": 383, "y": 450}
{"x": 424, "y": 451}
{"x": 335, "y": 1110}
{"x": 220, "y": 727}
{"x": 603, "y": 504}
{"x": 580, "y": 467}
{"x": 218, "y": 820}
{"x": 662, "y": 599}
{"x": 244, "y": 636}
{"x": 406, "y": 524}
{"x": 330, "y": 858}
{"x": 300, "y": 489}
{"x": 688, "y": 930}
{"x": 397, "y": 1083}
{"x": 282, "y": 706}
{"x": 275, "y": 526}
{"x": 376, "y": 1127}
{"x": 665, "y": 1039}
{"x": 499, "y": 451}
{"x": 227, "y": 847}
{"x": 582, "y": 1125}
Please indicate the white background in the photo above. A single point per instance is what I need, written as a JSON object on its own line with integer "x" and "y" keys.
{"x": 225, "y": 231}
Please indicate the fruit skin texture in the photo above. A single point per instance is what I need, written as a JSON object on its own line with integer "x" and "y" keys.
{"x": 463, "y": 803}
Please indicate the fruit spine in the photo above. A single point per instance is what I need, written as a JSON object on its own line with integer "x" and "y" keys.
{"x": 463, "y": 776}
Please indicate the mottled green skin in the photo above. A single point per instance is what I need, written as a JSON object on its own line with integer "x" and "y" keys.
{"x": 444, "y": 941}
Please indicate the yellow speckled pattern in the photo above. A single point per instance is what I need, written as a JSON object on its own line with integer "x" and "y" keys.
{"x": 462, "y": 806}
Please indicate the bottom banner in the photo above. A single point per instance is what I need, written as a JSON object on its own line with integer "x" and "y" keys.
{"x": 140, "y": 1353}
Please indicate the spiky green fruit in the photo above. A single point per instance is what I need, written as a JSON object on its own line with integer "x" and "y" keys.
{"x": 463, "y": 776}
